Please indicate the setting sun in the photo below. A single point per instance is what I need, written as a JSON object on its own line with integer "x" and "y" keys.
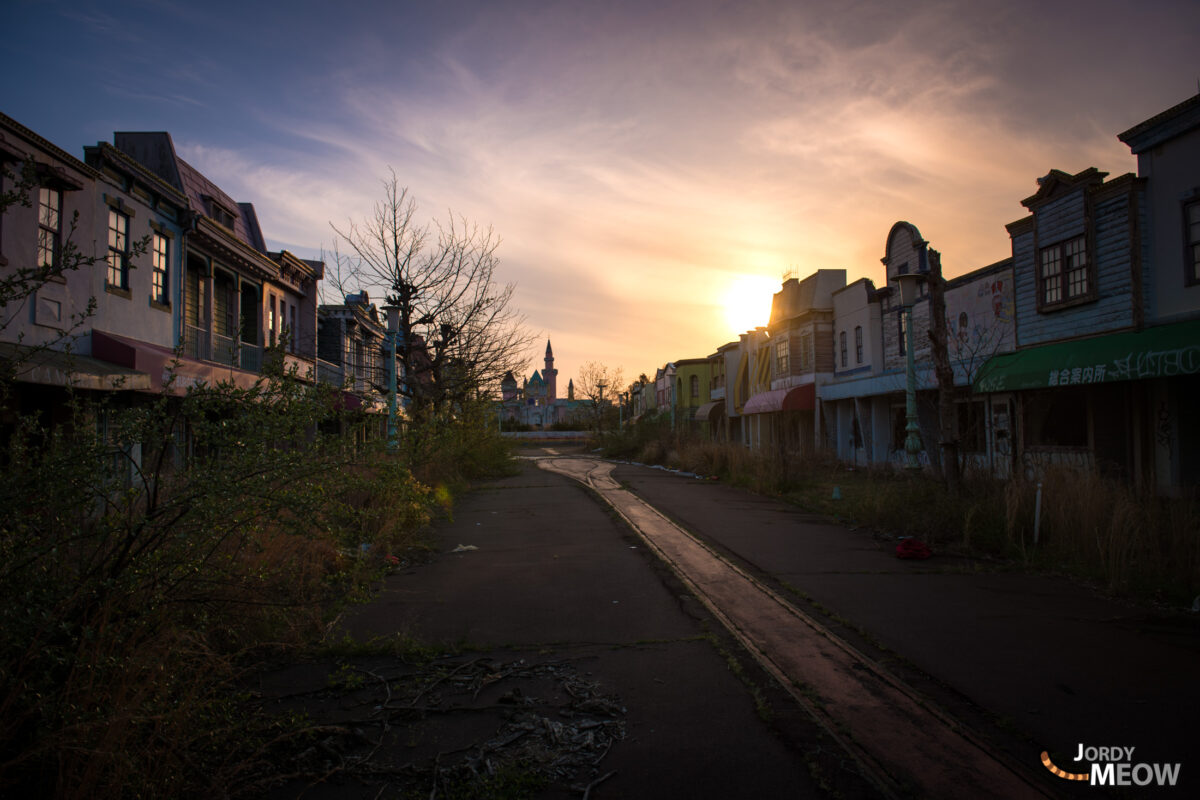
{"x": 747, "y": 302}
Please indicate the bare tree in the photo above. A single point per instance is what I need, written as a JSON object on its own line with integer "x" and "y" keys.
{"x": 600, "y": 385}
{"x": 458, "y": 331}
{"x": 947, "y": 427}
{"x": 964, "y": 352}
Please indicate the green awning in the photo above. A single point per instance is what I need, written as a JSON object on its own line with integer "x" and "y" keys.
{"x": 1160, "y": 352}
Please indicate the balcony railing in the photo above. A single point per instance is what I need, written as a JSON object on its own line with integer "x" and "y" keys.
{"x": 328, "y": 372}
{"x": 200, "y": 345}
{"x": 250, "y": 357}
{"x": 225, "y": 350}
{"x": 196, "y": 343}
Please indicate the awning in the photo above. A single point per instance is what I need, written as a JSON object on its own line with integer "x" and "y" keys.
{"x": 707, "y": 410}
{"x": 1160, "y": 352}
{"x": 56, "y": 368}
{"x": 799, "y": 398}
{"x": 159, "y": 363}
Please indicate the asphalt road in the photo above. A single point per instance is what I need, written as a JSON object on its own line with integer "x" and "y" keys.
{"x": 551, "y": 575}
{"x": 555, "y": 576}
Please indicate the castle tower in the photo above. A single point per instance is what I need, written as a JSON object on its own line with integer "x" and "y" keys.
{"x": 571, "y": 389}
{"x": 550, "y": 375}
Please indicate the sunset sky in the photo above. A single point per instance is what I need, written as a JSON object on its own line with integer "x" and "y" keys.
{"x": 644, "y": 163}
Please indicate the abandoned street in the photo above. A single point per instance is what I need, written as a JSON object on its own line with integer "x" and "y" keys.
{"x": 622, "y": 631}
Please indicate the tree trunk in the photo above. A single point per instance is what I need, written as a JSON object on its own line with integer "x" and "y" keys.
{"x": 948, "y": 433}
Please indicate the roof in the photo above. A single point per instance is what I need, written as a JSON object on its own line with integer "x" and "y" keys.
{"x": 1176, "y": 120}
{"x": 967, "y": 277}
{"x": 105, "y": 153}
{"x": 45, "y": 145}
{"x": 1056, "y": 183}
{"x": 156, "y": 150}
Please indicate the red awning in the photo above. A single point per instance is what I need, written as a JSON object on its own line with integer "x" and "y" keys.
{"x": 799, "y": 398}
{"x": 160, "y": 362}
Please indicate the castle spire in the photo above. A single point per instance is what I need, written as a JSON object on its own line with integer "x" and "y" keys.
{"x": 551, "y": 375}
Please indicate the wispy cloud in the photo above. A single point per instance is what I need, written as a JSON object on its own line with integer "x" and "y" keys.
{"x": 635, "y": 161}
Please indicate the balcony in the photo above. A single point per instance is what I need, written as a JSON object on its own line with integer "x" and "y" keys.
{"x": 328, "y": 372}
{"x": 199, "y": 344}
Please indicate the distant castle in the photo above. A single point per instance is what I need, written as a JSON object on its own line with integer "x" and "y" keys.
{"x": 536, "y": 402}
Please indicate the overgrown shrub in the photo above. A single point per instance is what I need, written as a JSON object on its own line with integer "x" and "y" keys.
{"x": 145, "y": 561}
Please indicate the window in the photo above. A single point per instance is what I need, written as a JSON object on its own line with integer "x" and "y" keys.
{"x": 49, "y": 227}
{"x": 1192, "y": 259}
{"x": 195, "y": 307}
{"x": 972, "y": 436}
{"x": 842, "y": 346}
{"x": 858, "y": 344}
{"x": 805, "y": 351}
{"x": 782, "y": 359}
{"x": 295, "y": 338}
{"x": 161, "y": 262}
{"x": 1057, "y": 418}
{"x": 903, "y": 332}
{"x": 1064, "y": 272}
{"x": 118, "y": 250}
{"x": 271, "y": 322}
{"x": 694, "y": 382}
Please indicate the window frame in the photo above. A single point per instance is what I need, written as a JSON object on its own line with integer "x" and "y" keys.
{"x": 160, "y": 261}
{"x": 783, "y": 361}
{"x": 117, "y": 255}
{"x": 858, "y": 344}
{"x": 49, "y": 232}
{"x": 1068, "y": 274}
{"x": 1191, "y": 240}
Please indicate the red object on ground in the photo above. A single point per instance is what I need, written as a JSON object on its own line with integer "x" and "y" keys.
{"x": 913, "y": 548}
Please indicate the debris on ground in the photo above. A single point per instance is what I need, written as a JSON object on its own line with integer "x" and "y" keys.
{"x": 464, "y": 548}
{"x": 456, "y": 728}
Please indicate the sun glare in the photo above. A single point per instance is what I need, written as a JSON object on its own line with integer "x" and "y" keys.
{"x": 747, "y": 302}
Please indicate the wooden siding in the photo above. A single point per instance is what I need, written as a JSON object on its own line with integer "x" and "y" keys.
{"x": 1110, "y": 253}
{"x": 823, "y": 344}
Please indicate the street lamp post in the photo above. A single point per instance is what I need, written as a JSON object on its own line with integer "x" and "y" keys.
{"x": 909, "y": 285}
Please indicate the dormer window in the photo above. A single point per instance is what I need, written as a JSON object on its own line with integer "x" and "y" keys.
{"x": 219, "y": 213}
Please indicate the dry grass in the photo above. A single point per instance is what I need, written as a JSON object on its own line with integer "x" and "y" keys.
{"x": 1090, "y": 526}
